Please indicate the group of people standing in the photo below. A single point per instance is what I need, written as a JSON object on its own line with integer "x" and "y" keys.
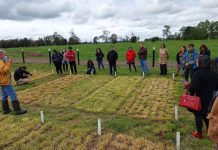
{"x": 187, "y": 59}
{"x": 61, "y": 60}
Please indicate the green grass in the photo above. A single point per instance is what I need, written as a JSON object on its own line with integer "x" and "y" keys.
{"x": 66, "y": 125}
{"x": 87, "y": 51}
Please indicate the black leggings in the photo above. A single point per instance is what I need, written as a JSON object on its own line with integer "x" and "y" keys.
{"x": 65, "y": 66}
{"x": 163, "y": 69}
{"x": 58, "y": 67}
{"x": 132, "y": 64}
{"x": 73, "y": 67}
{"x": 188, "y": 73}
{"x": 199, "y": 119}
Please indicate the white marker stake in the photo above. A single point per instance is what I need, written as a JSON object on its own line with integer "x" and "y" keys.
{"x": 115, "y": 74}
{"x": 178, "y": 140}
{"x": 173, "y": 76}
{"x": 70, "y": 72}
{"x": 52, "y": 71}
{"x": 35, "y": 71}
{"x": 99, "y": 126}
{"x": 143, "y": 74}
{"x": 176, "y": 113}
{"x": 42, "y": 117}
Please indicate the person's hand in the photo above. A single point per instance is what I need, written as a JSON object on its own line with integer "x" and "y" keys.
{"x": 10, "y": 60}
{"x": 186, "y": 64}
{"x": 187, "y": 92}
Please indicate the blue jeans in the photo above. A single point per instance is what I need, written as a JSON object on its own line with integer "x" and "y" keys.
{"x": 144, "y": 66}
{"x": 8, "y": 91}
{"x": 100, "y": 64}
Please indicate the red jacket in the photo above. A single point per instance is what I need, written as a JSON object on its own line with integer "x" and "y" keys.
{"x": 130, "y": 56}
{"x": 71, "y": 55}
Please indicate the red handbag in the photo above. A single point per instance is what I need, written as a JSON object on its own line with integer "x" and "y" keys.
{"x": 190, "y": 102}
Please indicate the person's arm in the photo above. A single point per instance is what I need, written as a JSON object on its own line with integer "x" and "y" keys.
{"x": 26, "y": 72}
{"x": 134, "y": 55}
{"x": 195, "y": 84}
{"x": 146, "y": 53}
{"x": 177, "y": 58}
{"x": 116, "y": 55}
{"x": 127, "y": 56}
{"x": 209, "y": 53}
{"x": 108, "y": 56}
{"x": 102, "y": 54}
{"x": 5, "y": 67}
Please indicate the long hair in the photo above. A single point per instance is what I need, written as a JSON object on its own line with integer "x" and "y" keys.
{"x": 90, "y": 62}
{"x": 204, "y": 47}
{"x": 99, "y": 50}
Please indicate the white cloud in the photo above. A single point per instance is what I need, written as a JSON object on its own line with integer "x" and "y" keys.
{"x": 21, "y": 18}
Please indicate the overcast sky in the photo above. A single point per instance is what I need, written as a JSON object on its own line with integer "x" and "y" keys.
{"x": 146, "y": 18}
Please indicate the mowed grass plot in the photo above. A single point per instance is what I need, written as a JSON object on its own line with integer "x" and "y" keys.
{"x": 136, "y": 113}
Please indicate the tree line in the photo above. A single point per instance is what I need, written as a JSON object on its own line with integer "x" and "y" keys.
{"x": 204, "y": 30}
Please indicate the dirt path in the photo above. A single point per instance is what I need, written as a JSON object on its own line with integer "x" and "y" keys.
{"x": 82, "y": 62}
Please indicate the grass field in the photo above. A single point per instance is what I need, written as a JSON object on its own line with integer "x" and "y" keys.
{"x": 87, "y": 51}
{"x": 136, "y": 112}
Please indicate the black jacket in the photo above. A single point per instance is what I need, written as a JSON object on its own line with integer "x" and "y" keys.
{"x": 57, "y": 57}
{"x": 20, "y": 74}
{"x": 178, "y": 58}
{"x": 99, "y": 56}
{"x": 207, "y": 52}
{"x": 204, "y": 83}
{"x": 112, "y": 56}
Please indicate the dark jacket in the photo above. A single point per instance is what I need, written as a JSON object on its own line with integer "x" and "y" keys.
{"x": 179, "y": 58}
{"x": 207, "y": 52}
{"x": 204, "y": 83}
{"x": 112, "y": 56}
{"x": 90, "y": 65}
{"x": 91, "y": 68}
{"x": 20, "y": 74}
{"x": 99, "y": 56}
{"x": 142, "y": 53}
{"x": 57, "y": 57}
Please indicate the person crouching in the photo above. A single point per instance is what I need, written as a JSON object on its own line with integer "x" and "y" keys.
{"x": 21, "y": 75}
{"x": 90, "y": 67}
{"x": 6, "y": 86}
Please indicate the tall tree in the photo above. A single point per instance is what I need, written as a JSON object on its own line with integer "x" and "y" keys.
{"x": 114, "y": 38}
{"x": 105, "y": 36}
{"x": 74, "y": 39}
{"x": 95, "y": 40}
{"x": 166, "y": 31}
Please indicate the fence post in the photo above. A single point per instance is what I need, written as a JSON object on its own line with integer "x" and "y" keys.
{"x": 49, "y": 55}
{"x": 78, "y": 56}
{"x": 153, "y": 60}
{"x": 23, "y": 57}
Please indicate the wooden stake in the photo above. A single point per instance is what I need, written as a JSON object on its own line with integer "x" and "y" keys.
{"x": 42, "y": 117}
{"x": 99, "y": 126}
{"x": 176, "y": 113}
{"x": 177, "y": 140}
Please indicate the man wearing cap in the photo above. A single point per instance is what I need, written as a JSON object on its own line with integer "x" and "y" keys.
{"x": 6, "y": 86}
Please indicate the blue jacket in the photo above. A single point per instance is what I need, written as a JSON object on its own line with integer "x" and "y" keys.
{"x": 193, "y": 60}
